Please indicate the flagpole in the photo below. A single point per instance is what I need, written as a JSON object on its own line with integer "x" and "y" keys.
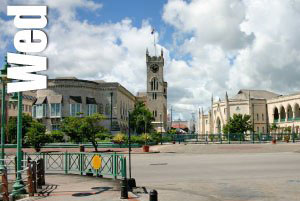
{"x": 153, "y": 32}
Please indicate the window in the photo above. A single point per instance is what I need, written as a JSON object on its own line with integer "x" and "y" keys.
{"x": 91, "y": 109}
{"x": 262, "y": 117}
{"x": 257, "y": 130}
{"x": 40, "y": 110}
{"x": 237, "y": 108}
{"x": 257, "y": 117}
{"x": 154, "y": 96}
{"x": 55, "y": 127}
{"x": 154, "y": 84}
{"x": 22, "y": 107}
{"x": 34, "y": 111}
{"x": 75, "y": 108}
{"x": 55, "y": 110}
{"x": 101, "y": 108}
{"x": 206, "y": 121}
{"x": 263, "y": 129}
{"x": 107, "y": 109}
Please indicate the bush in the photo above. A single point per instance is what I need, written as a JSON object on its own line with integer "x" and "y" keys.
{"x": 156, "y": 137}
{"x": 36, "y": 136}
{"x": 57, "y": 136}
{"x": 136, "y": 139}
{"x": 104, "y": 136}
{"x": 119, "y": 138}
{"x": 146, "y": 138}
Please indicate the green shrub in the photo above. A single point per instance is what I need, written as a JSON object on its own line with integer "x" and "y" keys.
{"x": 57, "y": 136}
{"x": 119, "y": 138}
{"x": 136, "y": 139}
{"x": 104, "y": 136}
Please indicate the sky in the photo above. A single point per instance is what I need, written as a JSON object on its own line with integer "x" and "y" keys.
{"x": 210, "y": 46}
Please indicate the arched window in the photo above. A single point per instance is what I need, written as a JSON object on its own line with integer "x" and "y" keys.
{"x": 154, "y": 84}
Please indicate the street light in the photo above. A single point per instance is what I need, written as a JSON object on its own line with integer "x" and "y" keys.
{"x": 18, "y": 186}
{"x": 131, "y": 181}
{"x": 3, "y": 77}
{"x": 160, "y": 129}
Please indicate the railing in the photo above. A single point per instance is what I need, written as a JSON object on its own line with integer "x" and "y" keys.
{"x": 232, "y": 138}
{"x": 79, "y": 163}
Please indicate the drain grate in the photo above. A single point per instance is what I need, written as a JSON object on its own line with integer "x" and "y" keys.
{"x": 159, "y": 164}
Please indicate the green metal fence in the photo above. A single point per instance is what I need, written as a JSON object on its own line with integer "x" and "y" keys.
{"x": 80, "y": 163}
{"x": 232, "y": 138}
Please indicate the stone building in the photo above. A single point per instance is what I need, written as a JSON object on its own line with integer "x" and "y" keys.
{"x": 284, "y": 111}
{"x": 250, "y": 102}
{"x": 69, "y": 96}
{"x": 156, "y": 96}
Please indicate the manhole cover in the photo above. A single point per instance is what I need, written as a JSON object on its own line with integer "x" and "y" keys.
{"x": 159, "y": 164}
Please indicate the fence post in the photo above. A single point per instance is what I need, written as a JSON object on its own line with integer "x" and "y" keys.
{"x": 114, "y": 165}
{"x": 66, "y": 163}
{"x": 30, "y": 179}
{"x": 34, "y": 176}
{"x": 5, "y": 195}
{"x": 252, "y": 137}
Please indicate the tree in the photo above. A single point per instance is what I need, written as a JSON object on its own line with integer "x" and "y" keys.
{"x": 12, "y": 127}
{"x": 141, "y": 118}
{"x": 70, "y": 126}
{"x": 90, "y": 126}
{"x": 36, "y": 136}
{"x": 238, "y": 125}
{"x": 81, "y": 129}
{"x": 57, "y": 136}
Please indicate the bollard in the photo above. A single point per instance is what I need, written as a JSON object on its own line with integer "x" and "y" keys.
{"x": 34, "y": 176}
{"x": 30, "y": 179}
{"x": 5, "y": 194}
{"x": 39, "y": 173}
{"x": 153, "y": 195}
{"x": 131, "y": 183}
{"x": 124, "y": 189}
{"x": 81, "y": 148}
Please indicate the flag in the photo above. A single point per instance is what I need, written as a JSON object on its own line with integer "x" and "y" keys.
{"x": 152, "y": 32}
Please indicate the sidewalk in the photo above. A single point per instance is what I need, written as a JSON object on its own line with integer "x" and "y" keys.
{"x": 60, "y": 187}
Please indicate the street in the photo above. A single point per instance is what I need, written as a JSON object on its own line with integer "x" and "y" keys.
{"x": 222, "y": 176}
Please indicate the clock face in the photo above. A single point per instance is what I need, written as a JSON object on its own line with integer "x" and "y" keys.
{"x": 154, "y": 68}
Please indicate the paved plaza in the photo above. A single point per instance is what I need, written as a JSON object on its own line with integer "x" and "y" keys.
{"x": 222, "y": 172}
{"x": 196, "y": 172}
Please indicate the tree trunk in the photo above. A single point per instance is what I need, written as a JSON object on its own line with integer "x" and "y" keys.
{"x": 95, "y": 144}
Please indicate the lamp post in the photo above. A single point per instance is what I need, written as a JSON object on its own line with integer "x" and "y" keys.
{"x": 129, "y": 145}
{"x": 131, "y": 181}
{"x": 3, "y": 113}
{"x": 111, "y": 109}
{"x": 160, "y": 129}
{"x": 18, "y": 186}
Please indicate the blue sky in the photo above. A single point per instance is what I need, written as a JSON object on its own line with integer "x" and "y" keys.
{"x": 210, "y": 46}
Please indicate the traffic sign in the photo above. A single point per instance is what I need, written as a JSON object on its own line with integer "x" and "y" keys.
{"x": 96, "y": 162}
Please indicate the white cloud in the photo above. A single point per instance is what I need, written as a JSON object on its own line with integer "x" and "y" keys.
{"x": 259, "y": 38}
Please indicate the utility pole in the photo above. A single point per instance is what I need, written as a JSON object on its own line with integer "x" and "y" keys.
{"x": 111, "y": 110}
{"x": 171, "y": 116}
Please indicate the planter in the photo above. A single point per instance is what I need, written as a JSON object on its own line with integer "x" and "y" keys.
{"x": 273, "y": 141}
{"x": 146, "y": 148}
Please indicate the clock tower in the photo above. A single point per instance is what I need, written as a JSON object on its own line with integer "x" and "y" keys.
{"x": 157, "y": 90}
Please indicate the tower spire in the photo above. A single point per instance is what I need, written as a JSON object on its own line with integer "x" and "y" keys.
{"x": 153, "y": 33}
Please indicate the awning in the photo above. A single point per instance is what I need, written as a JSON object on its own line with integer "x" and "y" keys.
{"x": 54, "y": 99}
{"x": 90, "y": 100}
{"x": 40, "y": 100}
{"x": 75, "y": 99}
{"x": 160, "y": 129}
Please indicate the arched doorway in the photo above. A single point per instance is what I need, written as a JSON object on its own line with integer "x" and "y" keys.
{"x": 219, "y": 126}
{"x": 297, "y": 111}
{"x": 290, "y": 113}
{"x": 282, "y": 114}
{"x": 276, "y": 115}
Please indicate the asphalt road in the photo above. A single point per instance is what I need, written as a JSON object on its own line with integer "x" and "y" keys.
{"x": 220, "y": 177}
